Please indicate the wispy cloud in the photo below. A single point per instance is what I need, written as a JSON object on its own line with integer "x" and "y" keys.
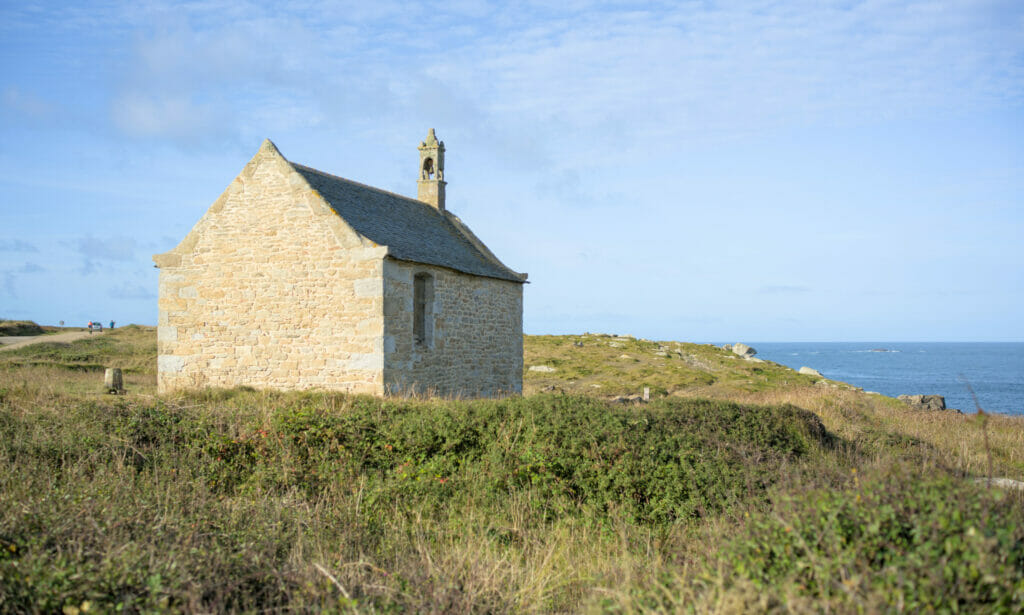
{"x": 92, "y": 251}
{"x": 26, "y": 103}
{"x": 130, "y": 291}
{"x": 586, "y": 71}
{"x": 30, "y": 268}
{"x": 17, "y": 245}
{"x": 10, "y": 277}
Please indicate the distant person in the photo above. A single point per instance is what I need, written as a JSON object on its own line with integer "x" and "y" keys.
{"x": 90, "y": 327}
{"x": 111, "y": 324}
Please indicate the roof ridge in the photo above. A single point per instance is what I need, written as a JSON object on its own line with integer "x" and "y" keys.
{"x": 362, "y": 185}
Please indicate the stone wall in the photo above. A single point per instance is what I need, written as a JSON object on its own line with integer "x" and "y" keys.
{"x": 271, "y": 289}
{"x": 476, "y": 326}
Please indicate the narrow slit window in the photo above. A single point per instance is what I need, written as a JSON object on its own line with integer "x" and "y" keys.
{"x": 423, "y": 290}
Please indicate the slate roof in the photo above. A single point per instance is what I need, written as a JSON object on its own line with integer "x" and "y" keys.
{"x": 412, "y": 230}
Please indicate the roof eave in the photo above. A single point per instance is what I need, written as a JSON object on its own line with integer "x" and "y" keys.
{"x": 514, "y": 277}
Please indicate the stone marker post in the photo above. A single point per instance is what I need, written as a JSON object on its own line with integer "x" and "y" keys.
{"x": 113, "y": 382}
{"x": 647, "y": 393}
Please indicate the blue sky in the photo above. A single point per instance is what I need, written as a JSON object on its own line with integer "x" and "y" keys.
{"x": 701, "y": 171}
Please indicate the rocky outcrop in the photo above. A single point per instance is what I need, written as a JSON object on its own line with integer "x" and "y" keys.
{"x": 743, "y": 350}
{"x": 810, "y": 371}
{"x": 924, "y": 402}
{"x": 542, "y": 368}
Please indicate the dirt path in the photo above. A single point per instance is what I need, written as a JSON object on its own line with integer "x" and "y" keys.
{"x": 18, "y": 342}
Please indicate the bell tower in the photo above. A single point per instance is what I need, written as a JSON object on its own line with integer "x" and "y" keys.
{"x": 431, "y": 182}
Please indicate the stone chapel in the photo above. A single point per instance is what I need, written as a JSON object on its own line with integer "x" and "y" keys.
{"x": 299, "y": 279}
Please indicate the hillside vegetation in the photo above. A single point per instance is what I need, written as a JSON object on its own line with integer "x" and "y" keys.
{"x": 10, "y": 328}
{"x": 741, "y": 487}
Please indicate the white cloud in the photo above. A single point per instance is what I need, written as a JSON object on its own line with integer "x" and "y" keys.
{"x": 588, "y": 71}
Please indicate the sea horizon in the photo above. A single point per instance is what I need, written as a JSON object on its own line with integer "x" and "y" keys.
{"x": 994, "y": 370}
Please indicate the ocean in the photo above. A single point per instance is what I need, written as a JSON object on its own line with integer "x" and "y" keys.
{"x": 994, "y": 370}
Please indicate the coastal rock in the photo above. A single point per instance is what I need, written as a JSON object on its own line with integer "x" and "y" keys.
{"x": 743, "y": 350}
{"x": 810, "y": 371}
{"x": 727, "y": 347}
{"x": 542, "y": 368}
{"x": 924, "y": 402}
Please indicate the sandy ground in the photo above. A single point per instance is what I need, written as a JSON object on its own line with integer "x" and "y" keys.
{"x": 18, "y": 342}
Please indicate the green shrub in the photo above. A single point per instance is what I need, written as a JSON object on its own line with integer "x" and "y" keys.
{"x": 19, "y": 327}
{"x": 151, "y": 506}
{"x": 672, "y": 460}
{"x": 898, "y": 543}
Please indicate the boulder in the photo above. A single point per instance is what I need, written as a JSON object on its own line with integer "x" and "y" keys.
{"x": 810, "y": 371}
{"x": 924, "y": 402}
{"x": 727, "y": 347}
{"x": 743, "y": 350}
{"x": 542, "y": 368}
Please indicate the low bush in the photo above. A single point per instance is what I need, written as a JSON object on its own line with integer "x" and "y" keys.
{"x": 19, "y": 328}
{"x": 901, "y": 542}
{"x": 151, "y": 506}
{"x": 898, "y": 542}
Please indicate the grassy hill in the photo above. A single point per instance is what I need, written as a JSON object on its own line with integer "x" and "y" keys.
{"x": 610, "y": 365}
{"x": 742, "y": 486}
{"x": 19, "y": 328}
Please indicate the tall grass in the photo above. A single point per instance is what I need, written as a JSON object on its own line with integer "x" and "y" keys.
{"x": 778, "y": 499}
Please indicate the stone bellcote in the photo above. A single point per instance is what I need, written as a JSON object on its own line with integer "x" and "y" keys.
{"x": 431, "y": 182}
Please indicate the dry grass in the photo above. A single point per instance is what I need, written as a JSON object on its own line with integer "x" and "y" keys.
{"x": 951, "y": 439}
{"x": 124, "y": 498}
